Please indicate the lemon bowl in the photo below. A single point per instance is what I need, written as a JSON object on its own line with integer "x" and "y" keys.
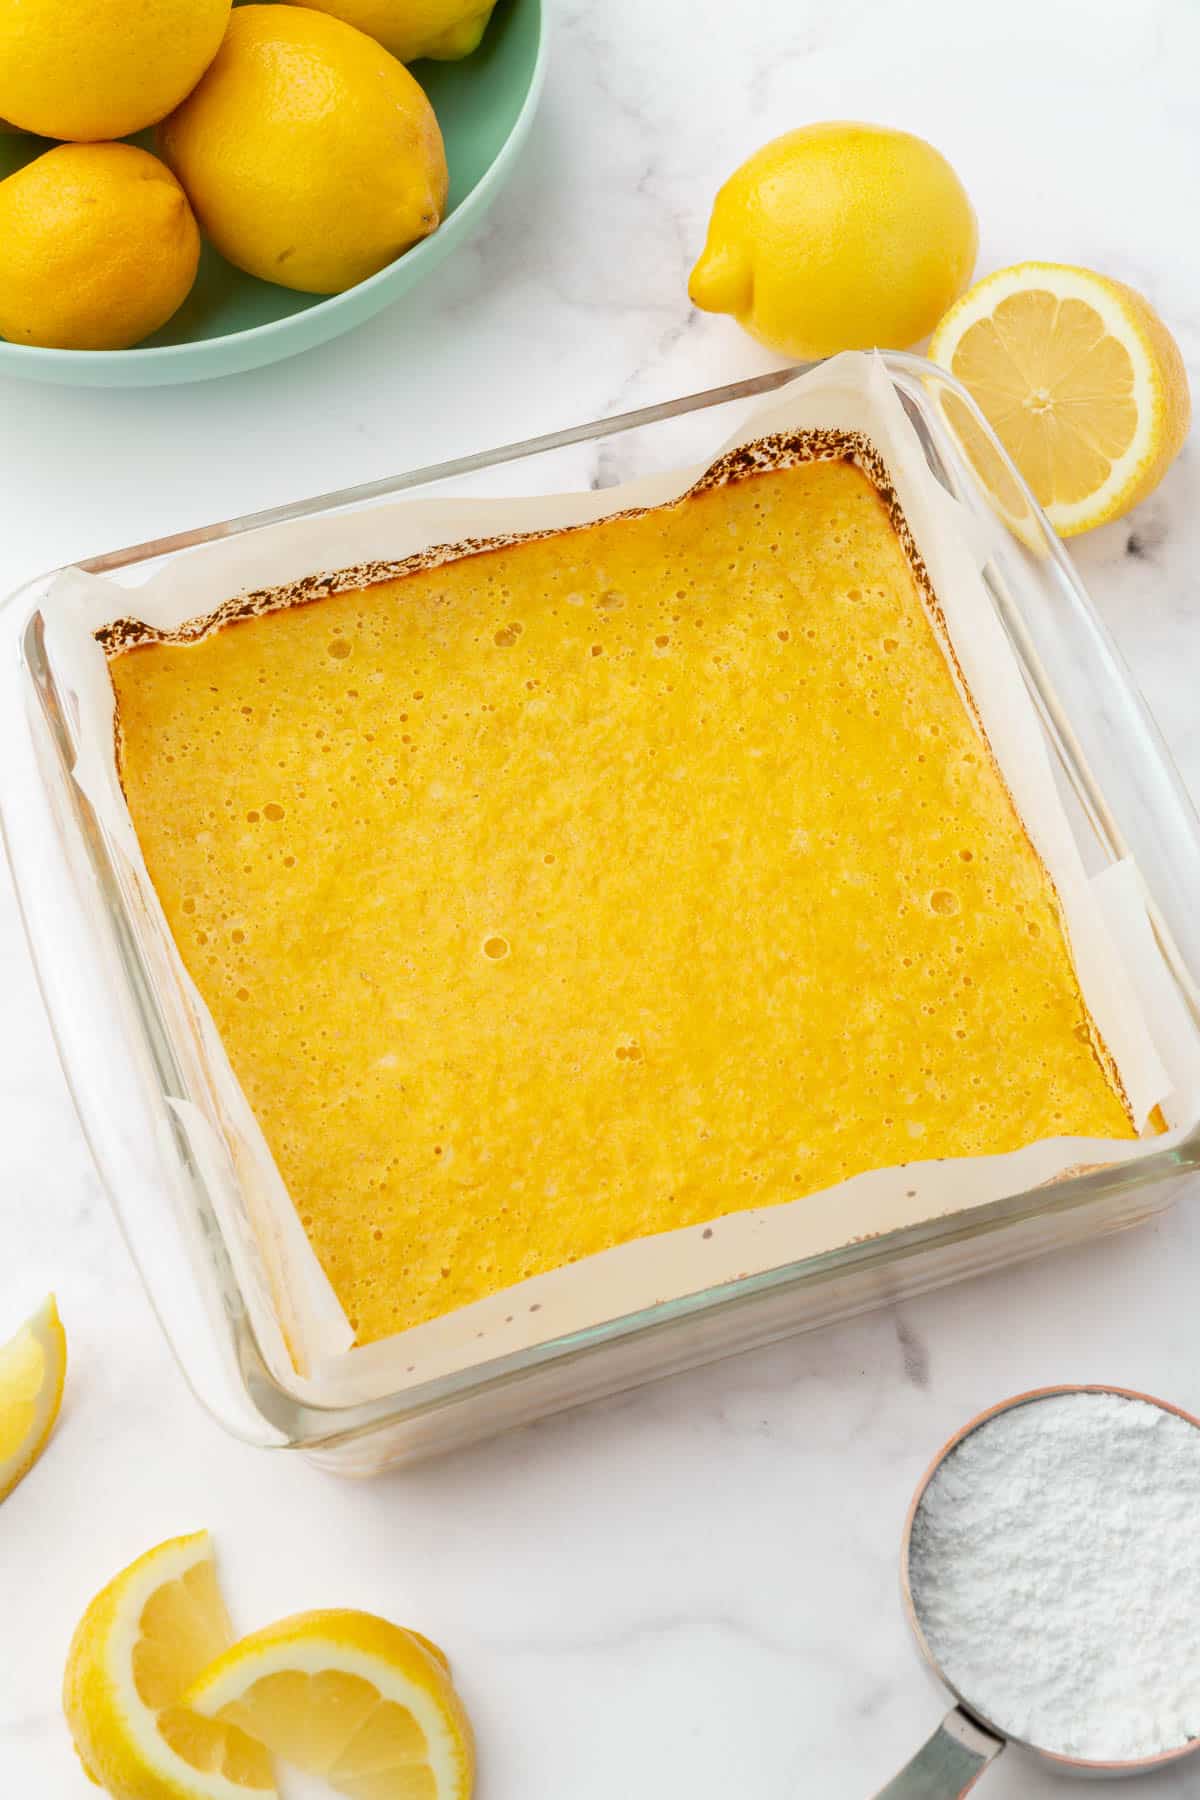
{"x": 231, "y": 321}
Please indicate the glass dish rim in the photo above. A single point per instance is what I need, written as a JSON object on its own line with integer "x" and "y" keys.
{"x": 303, "y": 1421}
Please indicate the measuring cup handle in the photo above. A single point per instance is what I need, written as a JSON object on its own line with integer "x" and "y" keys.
{"x": 949, "y": 1765}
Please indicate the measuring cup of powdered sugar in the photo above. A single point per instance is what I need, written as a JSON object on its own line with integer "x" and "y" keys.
{"x": 1051, "y": 1574}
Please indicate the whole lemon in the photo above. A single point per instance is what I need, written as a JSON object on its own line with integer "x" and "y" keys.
{"x": 444, "y": 29}
{"x": 93, "y": 69}
{"x": 838, "y": 237}
{"x": 98, "y": 247}
{"x": 311, "y": 156}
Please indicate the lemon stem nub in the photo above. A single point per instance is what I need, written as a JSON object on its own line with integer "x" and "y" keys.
{"x": 722, "y": 280}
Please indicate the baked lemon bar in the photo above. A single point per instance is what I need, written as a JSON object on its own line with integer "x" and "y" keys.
{"x": 552, "y": 892}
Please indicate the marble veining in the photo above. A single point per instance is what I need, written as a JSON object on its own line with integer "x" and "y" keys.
{"x": 690, "y": 1589}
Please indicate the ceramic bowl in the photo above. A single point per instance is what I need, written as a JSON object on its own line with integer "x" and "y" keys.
{"x": 231, "y": 321}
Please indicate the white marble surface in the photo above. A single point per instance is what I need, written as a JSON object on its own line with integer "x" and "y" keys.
{"x": 690, "y": 1590}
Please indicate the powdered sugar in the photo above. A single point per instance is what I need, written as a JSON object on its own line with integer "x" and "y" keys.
{"x": 1055, "y": 1573}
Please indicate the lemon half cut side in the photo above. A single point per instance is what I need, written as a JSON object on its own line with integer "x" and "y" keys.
{"x": 1080, "y": 380}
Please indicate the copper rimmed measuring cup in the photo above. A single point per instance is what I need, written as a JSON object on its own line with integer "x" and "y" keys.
{"x": 967, "y": 1741}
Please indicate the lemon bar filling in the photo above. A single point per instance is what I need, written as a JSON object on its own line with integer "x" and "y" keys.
{"x": 604, "y": 883}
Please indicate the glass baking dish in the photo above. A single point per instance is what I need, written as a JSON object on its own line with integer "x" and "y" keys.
{"x": 127, "y": 1039}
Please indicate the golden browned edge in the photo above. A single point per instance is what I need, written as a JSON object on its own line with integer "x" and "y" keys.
{"x": 779, "y": 450}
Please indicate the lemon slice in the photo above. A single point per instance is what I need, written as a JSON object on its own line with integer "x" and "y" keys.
{"x": 33, "y": 1367}
{"x": 349, "y": 1697}
{"x": 1080, "y": 380}
{"x": 140, "y": 1643}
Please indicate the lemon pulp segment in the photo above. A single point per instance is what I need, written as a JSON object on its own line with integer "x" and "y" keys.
{"x": 33, "y": 1368}
{"x": 22, "y": 1378}
{"x": 602, "y": 884}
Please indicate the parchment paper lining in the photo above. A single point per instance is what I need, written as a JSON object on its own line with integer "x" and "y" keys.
{"x": 847, "y": 407}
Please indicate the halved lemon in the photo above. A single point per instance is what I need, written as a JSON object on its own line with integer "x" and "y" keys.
{"x": 33, "y": 1367}
{"x": 141, "y": 1642}
{"x": 1080, "y": 380}
{"x": 350, "y": 1697}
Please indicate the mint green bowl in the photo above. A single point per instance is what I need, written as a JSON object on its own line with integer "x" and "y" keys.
{"x": 231, "y": 321}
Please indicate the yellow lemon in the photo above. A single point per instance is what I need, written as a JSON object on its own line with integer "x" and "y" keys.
{"x": 311, "y": 156}
{"x": 92, "y": 69}
{"x": 838, "y": 237}
{"x": 444, "y": 29}
{"x": 1081, "y": 381}
{"x": 98, "y": 247}
{"x": 143, "y": 1640}
{"x": 349, "y": 1697}
{"x": 33, "y": 1367}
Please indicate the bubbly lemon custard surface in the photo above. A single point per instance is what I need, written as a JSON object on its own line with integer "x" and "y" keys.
{"x": 602, "y": 883}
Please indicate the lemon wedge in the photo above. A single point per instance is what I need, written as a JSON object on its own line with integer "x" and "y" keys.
{"x": 141, "y": 1642}
{"x": 33, "y": 1367}
{"x": 1080, "y": 380}
{"x": 349, "y": 1697}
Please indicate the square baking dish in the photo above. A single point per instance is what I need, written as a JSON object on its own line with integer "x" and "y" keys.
{"x": 129, "y": 1043}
